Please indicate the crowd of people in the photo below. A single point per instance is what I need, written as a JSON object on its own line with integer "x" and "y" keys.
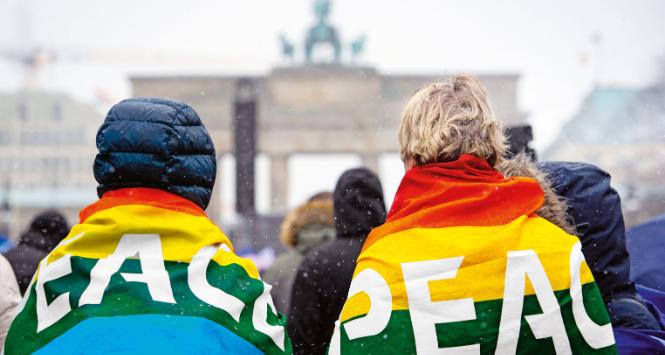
{"x": 484, "y": 250}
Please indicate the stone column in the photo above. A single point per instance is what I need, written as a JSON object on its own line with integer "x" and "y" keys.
{"x": 279, "y": 182}
{"x": 371, "y": 162}
{"x": 214, "y": 209}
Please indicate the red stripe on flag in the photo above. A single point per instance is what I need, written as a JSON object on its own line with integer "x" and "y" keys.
{"x": 465, "y": 192}
{"x": 142, "y": 196}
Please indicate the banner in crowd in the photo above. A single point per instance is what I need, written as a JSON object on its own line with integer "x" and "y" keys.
{"x": 147, "y": 272}
{"x": 465, "y": 267}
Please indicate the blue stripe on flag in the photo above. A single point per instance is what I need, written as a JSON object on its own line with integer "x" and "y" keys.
{"x": 149, "y": 334}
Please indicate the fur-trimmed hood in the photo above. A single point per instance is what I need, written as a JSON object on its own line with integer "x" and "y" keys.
{"x": 554, "y": 207}
{"x": 317, "y": 214}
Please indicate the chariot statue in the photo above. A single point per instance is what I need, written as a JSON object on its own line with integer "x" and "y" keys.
{"x": 322, "y": 33}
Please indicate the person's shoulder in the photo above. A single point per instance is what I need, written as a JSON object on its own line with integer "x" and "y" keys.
{"x": 332, "y": 257}
{"x": 561, "y": 172}
{"x": 283, "y": 265}
{"x": 4, "y": 264}
{"x": 22, "y": 254}
{"x": 8, "y": 283}
{"x": 317, "y": 258}
{"x": 322, "y": 250}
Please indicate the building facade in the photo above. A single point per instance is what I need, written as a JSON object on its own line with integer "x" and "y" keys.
{"x": 47, "y": 148}
{"x": 319, "y": 109}
{"x": 622, "y": 131}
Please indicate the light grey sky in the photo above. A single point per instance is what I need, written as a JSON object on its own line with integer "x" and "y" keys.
{"x": 550, "y": 43}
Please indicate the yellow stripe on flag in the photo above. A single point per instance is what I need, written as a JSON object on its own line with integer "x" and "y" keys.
{"x": 481, "y": 274}
{"x": 182, "y": 235}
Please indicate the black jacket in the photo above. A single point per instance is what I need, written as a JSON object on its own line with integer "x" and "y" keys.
{"x": 324, "y": 277}
{"x": 45, "y": 232}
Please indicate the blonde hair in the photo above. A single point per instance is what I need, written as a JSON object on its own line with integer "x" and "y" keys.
{"x": 444, "y": 120}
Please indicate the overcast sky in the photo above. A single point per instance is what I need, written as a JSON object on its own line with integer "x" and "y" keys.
{"x": 550, "y": 43}
{"x": 560, "y": 48}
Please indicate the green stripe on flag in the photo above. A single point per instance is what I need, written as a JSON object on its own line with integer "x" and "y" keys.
{"x": 130, "y": 298}
{"x": 398, "y": 336}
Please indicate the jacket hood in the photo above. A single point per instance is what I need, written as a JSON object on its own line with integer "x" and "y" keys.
{"x": 155, "y": 143}
{"x": 308, "y": 225}
{"x": 46, "y": 231}
{"x": 359, "y": 205}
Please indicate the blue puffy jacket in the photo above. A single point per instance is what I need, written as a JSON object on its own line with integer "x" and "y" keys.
{"x": 595, "y": 209}
{"x": 158, "y": 143}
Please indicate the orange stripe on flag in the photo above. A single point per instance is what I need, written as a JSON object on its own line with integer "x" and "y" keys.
{"x": 142, "y": 196}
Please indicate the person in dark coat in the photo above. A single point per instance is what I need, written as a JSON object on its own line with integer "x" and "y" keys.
{"x": 46, "y": 230}
{"x": 580, "y": 200}
{"x": 324, "y": 277}
{"x": 595, "y": 209}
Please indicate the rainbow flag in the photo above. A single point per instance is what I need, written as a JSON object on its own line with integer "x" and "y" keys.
{"x": 146, "y": 272}
{"x": 463, "y": 265}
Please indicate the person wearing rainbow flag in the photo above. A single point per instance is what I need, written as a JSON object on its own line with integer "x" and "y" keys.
{"x": 463, "y": 263}
{"x": 145, "y": 270}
